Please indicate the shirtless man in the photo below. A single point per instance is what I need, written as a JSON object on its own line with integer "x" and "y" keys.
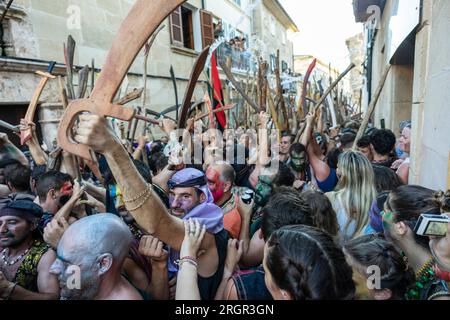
{"x": 94, "y": 248}
{"x": 24, "y": 258}
{"x": 140, "y": 199}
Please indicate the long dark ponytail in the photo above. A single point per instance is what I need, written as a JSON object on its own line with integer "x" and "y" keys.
{"x": 307, "y": 263}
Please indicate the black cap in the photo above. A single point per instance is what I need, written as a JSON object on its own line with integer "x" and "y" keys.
{"x": 24, "y": 208}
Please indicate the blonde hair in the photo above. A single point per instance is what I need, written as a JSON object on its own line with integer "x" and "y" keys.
{"x": 355, "y": 191}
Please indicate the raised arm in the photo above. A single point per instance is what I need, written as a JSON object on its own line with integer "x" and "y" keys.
{"x": 39, "y": 156}
{"x": 9, "y": 148}
{"x": 251, "y": 252}
{"x": 143, "y": 204}
{"x": 153, "y": 249}
{"x": 141, "y": 145}
{"x": 97, "y": 192}
{"x": 321, "y": 168}
{"x": 187, "y": 285}
{"x": 262, "y": 157}
{"x": 66, "y": 209}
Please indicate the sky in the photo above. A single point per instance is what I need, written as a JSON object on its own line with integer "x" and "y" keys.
{"x": 324, "y": 26}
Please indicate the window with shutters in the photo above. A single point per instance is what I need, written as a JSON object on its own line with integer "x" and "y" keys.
{"x": 182, "y": 28}
{"x": 188, "y": 29}
{"x": 206, "y": 20}
{"x": 176, "y": 27}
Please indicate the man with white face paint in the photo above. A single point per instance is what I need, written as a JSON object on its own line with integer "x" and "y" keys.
{"x": 90, "y": 257}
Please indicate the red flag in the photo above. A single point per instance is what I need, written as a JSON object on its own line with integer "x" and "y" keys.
{"x": 217, "y": 93}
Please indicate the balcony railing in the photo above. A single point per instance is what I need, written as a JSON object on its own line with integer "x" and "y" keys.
{"x": 241, "y": 61}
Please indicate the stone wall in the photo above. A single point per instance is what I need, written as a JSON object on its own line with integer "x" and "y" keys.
{"x": 431, "y": 134}
{"x": 419, "y": 92}
{"x": 355, "y": 47}
{"x": 395, "y": 102}
{"x": 44, "y": 25}
{"x": 274, "y": 41}
{"x": 43, "y": 29}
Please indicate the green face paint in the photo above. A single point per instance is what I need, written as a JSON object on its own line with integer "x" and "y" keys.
{"x": 387, "y": 219}
{"x": 263, "y": 190}
{"x": 298, "y": 161}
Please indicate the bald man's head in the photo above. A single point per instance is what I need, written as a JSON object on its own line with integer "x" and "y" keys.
{"x": 226, "y": 172}
{"x": 98, "y": 234}
{"x": 94, "y": 246}
{"x": 220, "y": 181}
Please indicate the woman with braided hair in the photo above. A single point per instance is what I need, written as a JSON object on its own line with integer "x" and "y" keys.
{"x": 402, "y": 210}
{"x": 303, "y": 263}
{"x": 372, "y": 256}
{"x": 440, "y": 246}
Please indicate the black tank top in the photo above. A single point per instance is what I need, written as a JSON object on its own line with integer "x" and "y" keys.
{"x": 208, "y": 286}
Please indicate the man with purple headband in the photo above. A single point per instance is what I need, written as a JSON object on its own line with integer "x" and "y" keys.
{"x": 190, "y": 198}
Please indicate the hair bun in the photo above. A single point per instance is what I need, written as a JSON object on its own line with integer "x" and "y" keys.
{"x": 445, "y": 205}
{"x": 444, "y": 200}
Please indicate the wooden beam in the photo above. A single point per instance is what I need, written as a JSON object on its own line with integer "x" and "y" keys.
{"x": 372, "y": 106}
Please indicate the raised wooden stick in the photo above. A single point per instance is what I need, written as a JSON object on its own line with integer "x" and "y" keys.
{"x": 372, "y": 106}
{"x": 225, "y": 108}
{"x": 69, "y": 53}
{"x": 133, "y": 95}
{"x": 230, "y": 77}
{"x": 26, "y": 134}
{"x": 281, "y": 101}
{"x": 273, "y": 111}
{"x": 147, "y": 48}
{"x": 63, "y": 93}
{"x": 301, "y": 102}
{"x": 146, "y": 119}
{"x": 331, "y": 87}
{"x": 324, "y": 96}
{"x": 6, "y": 10}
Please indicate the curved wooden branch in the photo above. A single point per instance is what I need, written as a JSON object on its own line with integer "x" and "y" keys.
{"x": 140, "y": 23}
{"x": 301, "y": 102}
{"x": 195, "y": 74}
{"x": 25, "y": 135}
{"x": 371, "y": 107}
{"x": 230, "y": 77}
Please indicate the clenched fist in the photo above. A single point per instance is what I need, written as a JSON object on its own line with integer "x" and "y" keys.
{"x": 95, "y": 132}
{"x": 54, "y": 230}
{"x": 153, "y": 248}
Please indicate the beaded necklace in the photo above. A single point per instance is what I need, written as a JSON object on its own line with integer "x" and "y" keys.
{"x": 14, "y": 261}
{"x": 423, "y": 277}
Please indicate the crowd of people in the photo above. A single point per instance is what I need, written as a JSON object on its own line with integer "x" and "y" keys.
{"x": 330, "y": 222}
